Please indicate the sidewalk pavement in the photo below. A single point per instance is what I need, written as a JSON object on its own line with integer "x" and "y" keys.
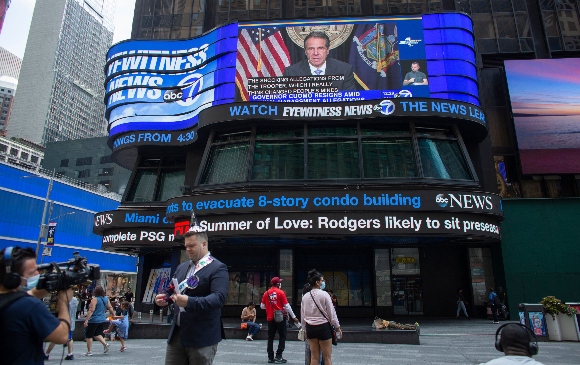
{"x": 443, "y": 341}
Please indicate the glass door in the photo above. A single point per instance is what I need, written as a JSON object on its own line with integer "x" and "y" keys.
{"x": 407, "y": 295}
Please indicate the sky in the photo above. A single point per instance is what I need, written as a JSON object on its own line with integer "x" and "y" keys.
{"x": 17, "y": 23}
{"x": 544, "y": 86}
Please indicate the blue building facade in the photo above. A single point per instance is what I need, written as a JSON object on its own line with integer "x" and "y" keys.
{"x": 23, "y": 193}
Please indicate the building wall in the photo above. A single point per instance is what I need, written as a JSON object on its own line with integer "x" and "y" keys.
{"x": 88, "y": 160}
{"x": 9, "y": 64}
{"x": 540, "y": 250}
{"x": 7, "y": 93}
{"x": 60, "y": 89}
{"x": 23, "y": 196}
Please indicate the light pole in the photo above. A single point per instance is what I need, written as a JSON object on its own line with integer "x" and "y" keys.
{"x": 53, "y": 219}
{"x": 43, "y": 227}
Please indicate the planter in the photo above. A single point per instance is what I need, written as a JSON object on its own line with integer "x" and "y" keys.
{"x": 554, "y": 331}
{"x": 568, "y": 329}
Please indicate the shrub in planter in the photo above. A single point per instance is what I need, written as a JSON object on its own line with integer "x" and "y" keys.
{"x": 553, "y": 306}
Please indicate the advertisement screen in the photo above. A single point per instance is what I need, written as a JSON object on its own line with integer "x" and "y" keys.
{"x": 544, "y": 98}
{"x": 163, "y": 85}
{"x": 332, "y": 60}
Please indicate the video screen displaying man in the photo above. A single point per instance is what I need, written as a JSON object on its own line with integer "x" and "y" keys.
{"x": 415, "y": 77}
{"x": 317, "y": 63}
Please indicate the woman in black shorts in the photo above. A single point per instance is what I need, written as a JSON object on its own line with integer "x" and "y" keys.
{"x": 316, "y": 312}
{"x": 96, "y": 321}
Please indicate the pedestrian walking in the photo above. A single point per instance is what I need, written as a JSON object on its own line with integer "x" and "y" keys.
{"x": 495, "y": 304}
{"x": 307, "y": 353}
{"x": 72, "y": 308}
{"x": 461, "y": 303}
{"x": 96, "y": 322}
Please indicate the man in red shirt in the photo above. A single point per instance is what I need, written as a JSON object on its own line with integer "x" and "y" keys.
{"x": 274, "y": 299}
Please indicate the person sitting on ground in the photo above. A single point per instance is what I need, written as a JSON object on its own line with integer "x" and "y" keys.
{"x": 518, "y": 343}
{"x": 121, "y": 324}
{"x": 249, "y": 317}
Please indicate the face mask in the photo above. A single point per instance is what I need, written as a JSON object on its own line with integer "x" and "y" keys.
{"x": 323, "y": 285}
{"x": 32, "y": 281}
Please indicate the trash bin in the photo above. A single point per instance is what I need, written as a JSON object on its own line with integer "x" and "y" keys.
{"x": 532, "y": 316}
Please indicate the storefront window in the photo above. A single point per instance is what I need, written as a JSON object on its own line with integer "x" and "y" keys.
{"x": 388, "y": 158}
{"x": 333, "y": 160}
{"x": 157, "y": 179}
{"x": 383, "y": 277}
{"x": 481, "y": 268}
{"x": 326, "y": 152}
{"x": 442, "y": 160}
{"x": 169, "y": 184}
{"x": 278, "y": 160}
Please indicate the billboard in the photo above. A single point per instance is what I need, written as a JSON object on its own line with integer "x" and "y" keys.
{"x": 544, "y": 98}
{"x": 163, "y": 85}
{"x": 351, "y": 59}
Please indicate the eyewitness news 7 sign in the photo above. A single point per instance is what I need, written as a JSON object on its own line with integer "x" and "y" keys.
{"x": 163, "y": 85}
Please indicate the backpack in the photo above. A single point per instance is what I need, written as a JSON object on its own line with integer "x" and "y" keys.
{"x": 496, "y": 300}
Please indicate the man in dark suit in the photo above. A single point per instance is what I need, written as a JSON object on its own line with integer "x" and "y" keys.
{"x": 317, "y": 48}
{"x": 203, "y": 286}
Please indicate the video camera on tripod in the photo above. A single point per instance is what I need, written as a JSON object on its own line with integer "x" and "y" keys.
{"x": 63, "y": 275}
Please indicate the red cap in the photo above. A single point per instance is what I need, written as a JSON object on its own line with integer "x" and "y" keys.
{"x": 276, "y": 280}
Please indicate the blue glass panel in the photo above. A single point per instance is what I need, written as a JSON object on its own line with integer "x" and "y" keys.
{"x": 453, "y": 84}
{"x": 457, "y": 96}
{"x": 438, "y": 36}
{"x": 448, "y": 20}
{"x": 450, "y": 52}
{"x": 451, "y": 67}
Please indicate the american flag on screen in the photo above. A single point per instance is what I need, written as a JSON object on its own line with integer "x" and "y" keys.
{"x": 261, "y": 53}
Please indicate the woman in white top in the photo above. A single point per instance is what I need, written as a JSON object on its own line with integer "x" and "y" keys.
{"x": 316, "y": 312}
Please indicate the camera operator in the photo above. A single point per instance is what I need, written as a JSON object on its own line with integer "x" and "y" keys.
{"x": 25, "y": 322}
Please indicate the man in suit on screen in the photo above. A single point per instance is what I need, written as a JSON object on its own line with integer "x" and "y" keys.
{"x": 317, "y": 48}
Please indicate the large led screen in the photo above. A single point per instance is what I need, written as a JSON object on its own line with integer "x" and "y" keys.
{"x": 163, "y": 85}
{"x": 545, "y": 98}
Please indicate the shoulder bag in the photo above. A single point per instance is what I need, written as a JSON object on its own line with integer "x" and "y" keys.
{"x": 278, "y": 315}
{"x": 332, "y": 328}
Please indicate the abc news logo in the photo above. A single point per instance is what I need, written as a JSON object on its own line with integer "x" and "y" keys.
{"x": 464, "y": 201}
{"x": 172, "y": 95}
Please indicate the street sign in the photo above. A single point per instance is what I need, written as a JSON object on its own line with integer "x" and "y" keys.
{"x": 47, "y": 251}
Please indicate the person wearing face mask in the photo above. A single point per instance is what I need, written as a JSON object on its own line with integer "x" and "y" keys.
{"x": 25, "y": 322}
{"x": 274, "y": 300}
{"x": 317, "y": 312}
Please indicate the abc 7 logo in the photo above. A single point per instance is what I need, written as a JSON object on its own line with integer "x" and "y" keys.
{"x": 385, "y": 107}
{"x": 187, "y": 92}
{"x": 172, "y": 95}
{"x": 441, "y": 200}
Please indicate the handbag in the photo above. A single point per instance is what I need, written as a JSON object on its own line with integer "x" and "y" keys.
{"x": 301, "y": 334}
{"x": 332, "y": 328}
{"x": 244, "y": 325}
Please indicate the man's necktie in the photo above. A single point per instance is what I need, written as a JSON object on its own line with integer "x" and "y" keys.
{"x": 317, "y": 72}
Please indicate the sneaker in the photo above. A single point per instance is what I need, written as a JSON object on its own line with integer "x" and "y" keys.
{"x": 249, "y": 338}
{"x": 280, "y": 360}
{"x": 495, "y": 322}
{"x": 87, "y": 354}
{"x": 271, "y": 361}
{"x": 105, "y": 348}
{"x": 122, "y": 349}
{"x": 69, "y": 357}
{"x": 45, "y": 357}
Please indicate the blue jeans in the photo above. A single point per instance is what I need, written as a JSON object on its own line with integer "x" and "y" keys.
{"x": 253, "y": 328}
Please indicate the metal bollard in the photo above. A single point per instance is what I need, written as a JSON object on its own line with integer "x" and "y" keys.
{"x": 151, "y": 315}
{"x": 161, "y": 316}
{"x": 139, "y": 316}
